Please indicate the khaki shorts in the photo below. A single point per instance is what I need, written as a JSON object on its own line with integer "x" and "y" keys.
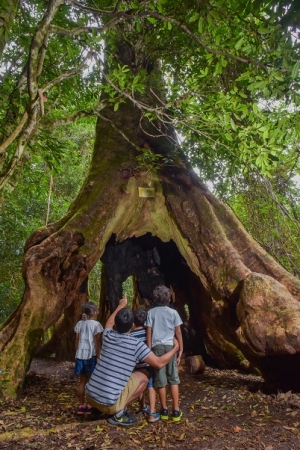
{"x": 130, "y": 388}
{"x": 169, "y": 373}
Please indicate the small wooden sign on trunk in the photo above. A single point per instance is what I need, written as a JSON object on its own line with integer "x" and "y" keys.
{"x": 146, "y": 192}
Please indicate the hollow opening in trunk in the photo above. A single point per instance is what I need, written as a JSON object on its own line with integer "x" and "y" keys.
{"x": 145, "y": 262}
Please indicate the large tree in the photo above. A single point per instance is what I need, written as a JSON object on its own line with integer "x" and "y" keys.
{"x": 207, "y": 82}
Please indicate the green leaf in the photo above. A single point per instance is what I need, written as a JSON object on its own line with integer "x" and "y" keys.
{"x": 210, "y": 20}
{"x": 239, "y": 43}
{"x": 200, "y": 25}
{"x": 273, "y": 157}
{"x": 224, "y": 62}
{"x": 264, "y": 30}
{"x": 266, "y": 133}
{"x": 295, "y": 70}
{"x": 278, "y": 77}
{"x": 215, "y": 14}
{"x": 194, "y": 17}
{"x": 134, "y": 5}
{"x": 203, "y": 73}
{"x": 152, "y": 20}
{"x": 160, "y": 7}
{"x": 218, "y": 68}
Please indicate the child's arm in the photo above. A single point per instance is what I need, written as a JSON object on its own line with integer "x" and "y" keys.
{"x": 97, "y": 340}
{"x": 76, "y": 342}
{"x": 111, "y": 320}
{"x": 180, "y": 342}
{"x": 149, "y": 337}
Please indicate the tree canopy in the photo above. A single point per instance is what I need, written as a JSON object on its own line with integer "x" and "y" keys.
{"x": 231, "y": 72}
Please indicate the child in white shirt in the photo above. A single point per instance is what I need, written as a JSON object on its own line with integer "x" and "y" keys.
{"x": 87, "y": 344}
{"x": 163, "y": 323}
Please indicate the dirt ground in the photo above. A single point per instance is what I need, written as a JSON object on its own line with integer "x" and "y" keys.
{"x": 221, "y": 410}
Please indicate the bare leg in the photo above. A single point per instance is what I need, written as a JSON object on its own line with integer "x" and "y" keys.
{"x": 142, "y": 400}
{"x": 152, "y": 399}
{"x": 143, "y": 384}
{"x": 162, "y": 393}
{"x": 175, "y": 395}
{"x": 81, "y": 388}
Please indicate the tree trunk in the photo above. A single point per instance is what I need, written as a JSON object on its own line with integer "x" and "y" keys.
{"x": 8, "y": 11}
{"x": 243, "y": 306}
{"x": 62, "y": 342}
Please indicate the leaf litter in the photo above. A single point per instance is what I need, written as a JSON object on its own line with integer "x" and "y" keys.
{"x": 222, "y": 410}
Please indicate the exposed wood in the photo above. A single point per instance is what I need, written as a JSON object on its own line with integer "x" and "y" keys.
{"x": 194, "y": 364}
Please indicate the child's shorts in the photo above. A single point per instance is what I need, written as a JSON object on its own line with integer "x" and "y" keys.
{"x": 169, "y": 373}
{"x": 151, "y": 377}
{"x": 150, "y": 371}
{"x": 85, "y": 366}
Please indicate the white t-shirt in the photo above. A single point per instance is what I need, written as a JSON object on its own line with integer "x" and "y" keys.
{"x": 87, "y": 329}
{"x": 163, "y": 321}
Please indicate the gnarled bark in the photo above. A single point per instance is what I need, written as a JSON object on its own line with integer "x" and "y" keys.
{"x": 181, "y": 235}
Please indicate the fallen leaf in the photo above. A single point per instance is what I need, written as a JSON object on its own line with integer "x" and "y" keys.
{"x": 293, "y": 430}
{"x": 181, "y": 437}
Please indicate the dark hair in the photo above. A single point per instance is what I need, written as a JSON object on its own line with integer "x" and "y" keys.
{"x": 123, "y": 320}
{"x": 161, "y": 295}
{"x": 88, "y": 310}
{"x": 139, "y": 317}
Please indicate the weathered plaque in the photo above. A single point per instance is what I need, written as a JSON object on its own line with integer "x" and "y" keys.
{"x": 146, "y": 192}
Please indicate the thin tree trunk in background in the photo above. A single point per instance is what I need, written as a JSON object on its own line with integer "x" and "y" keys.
{"x": 49, "y": 199}
{"x": 8, "y": 11}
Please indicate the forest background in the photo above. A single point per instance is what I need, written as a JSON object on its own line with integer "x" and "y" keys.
{"x": 233, "y": 97}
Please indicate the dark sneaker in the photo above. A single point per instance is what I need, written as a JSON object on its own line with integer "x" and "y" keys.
{"x": 153, "y": 417}
{"x": 88, "y": 409}
{"x": 164, "y": 414}
{"x": 81, "y": 410}
{"x": 126, "y": 420}
{"x": 145, "y": 409}
{"x": 176, "y": 415}
{"x": 96, "y": 414}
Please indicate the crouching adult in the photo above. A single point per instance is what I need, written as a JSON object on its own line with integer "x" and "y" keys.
{"x": 112, "y": 385}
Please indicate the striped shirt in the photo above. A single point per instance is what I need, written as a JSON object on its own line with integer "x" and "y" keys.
{"x": 140, "y": 333}
{"x": 119, "y": 355}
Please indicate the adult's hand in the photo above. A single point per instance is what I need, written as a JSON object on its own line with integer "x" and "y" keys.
{"x": 176, "y": 344}
{"x": 123, "y": 301}
{"x": 111, "y": 320}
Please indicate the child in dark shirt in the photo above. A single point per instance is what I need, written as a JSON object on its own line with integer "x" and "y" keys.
{"x": 139, "y": 332}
